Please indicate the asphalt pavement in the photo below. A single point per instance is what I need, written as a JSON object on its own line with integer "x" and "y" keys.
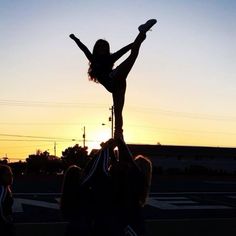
{"x": 176, "y": 205}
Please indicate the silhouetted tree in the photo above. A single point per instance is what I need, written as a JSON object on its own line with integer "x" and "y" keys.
{"x": 18, "y": 168}
{"x": 4, "y": 161}
{"x": 43, "y": 163}
{"x": 76, "y": 155}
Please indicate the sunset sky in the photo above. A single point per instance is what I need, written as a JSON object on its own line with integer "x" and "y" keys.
{"x": 181, "y": 91}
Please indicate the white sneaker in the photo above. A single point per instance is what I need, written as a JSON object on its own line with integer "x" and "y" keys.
{"x": 147, "y": 26}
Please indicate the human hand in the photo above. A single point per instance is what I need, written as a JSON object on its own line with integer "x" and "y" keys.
{"x": 111, "y": 143}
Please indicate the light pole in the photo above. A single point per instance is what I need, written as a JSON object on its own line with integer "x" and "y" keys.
{"x": 111, "y": 119}
{"x": 84, "y": 136}
{"x": 55, "y": 148}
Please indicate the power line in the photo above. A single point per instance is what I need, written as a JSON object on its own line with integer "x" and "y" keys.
{"x": 48, "y": 104}
{"x": 153, "y": 128}
{"x": 35, "y": 140}
{"x": 160, "y": 111}
{"x": 43, "y": 139}
{"x": 190, "y": 115}
{"x": 48, "y": 123}
{"x": 37, "y": 137}
{"x": 180, "y": 130}
{"x": 128, "y": 125}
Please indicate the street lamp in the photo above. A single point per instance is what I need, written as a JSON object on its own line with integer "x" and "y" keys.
{"x": 111, "y": 119}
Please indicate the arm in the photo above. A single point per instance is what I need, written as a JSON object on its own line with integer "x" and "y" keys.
{"x": 2, "y": 197}
{"x": 124, "y": 153}
{"x": 110, "y": 144}
{"x": 121, "y": 52}
{"x": 87, "y": 53}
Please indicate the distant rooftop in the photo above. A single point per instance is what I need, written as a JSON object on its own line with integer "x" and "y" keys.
{"x": 176, "y": 150}
{"x": 153, "y": 150}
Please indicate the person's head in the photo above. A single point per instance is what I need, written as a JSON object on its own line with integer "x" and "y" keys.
{"x": 6, "y": 175}
{"x": 101, "y": 48}
{"x": 101, "y": 51}
{"x": 70, "y": 188}
{"x": 145, "y": 166}
{"x": 72, "y": 178}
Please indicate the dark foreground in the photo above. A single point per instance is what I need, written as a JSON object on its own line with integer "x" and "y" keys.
{"x": 177, "y": 206}
{"x": 197, "y": 227}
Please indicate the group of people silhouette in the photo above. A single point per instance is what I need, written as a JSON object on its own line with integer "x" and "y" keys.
{"x": 108, "y": 195}
{"x": 112, "y": 190}
{"x": 6, "y": 201}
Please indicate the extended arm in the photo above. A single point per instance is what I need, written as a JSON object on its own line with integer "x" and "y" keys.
{"x": 87, "y": 53}
{"x": 124, "y": 153}
{"x": 121, "y": 52}
{"x": 2, "y": 197}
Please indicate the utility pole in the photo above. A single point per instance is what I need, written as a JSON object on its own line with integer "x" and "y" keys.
{"x": 84, "y": 136}
{"x": 55, "y": 149}
{"x": 111, "y": 119}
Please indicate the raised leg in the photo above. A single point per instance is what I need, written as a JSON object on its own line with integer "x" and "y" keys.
{"x": 122, "y": 71}
{"x": 120, "y": 75}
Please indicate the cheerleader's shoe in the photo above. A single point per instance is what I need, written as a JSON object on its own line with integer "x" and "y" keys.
{"x": 147, "y": 26}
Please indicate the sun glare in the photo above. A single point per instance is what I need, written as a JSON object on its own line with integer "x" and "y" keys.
{"x": 97, "y": 137}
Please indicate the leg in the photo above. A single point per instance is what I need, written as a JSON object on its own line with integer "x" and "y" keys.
{"x": 122, "y": 71}
{"x": 118, "y": 102}
{"x": 124, "y": 68}
{"x": 120, "y": 75}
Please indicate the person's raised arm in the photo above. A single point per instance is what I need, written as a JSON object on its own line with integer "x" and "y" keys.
{"x": 121, "y": 52}
{"x": 110, "y": 144}
{"x": 125, "y": 154}
{"x": 87, "y": 53}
